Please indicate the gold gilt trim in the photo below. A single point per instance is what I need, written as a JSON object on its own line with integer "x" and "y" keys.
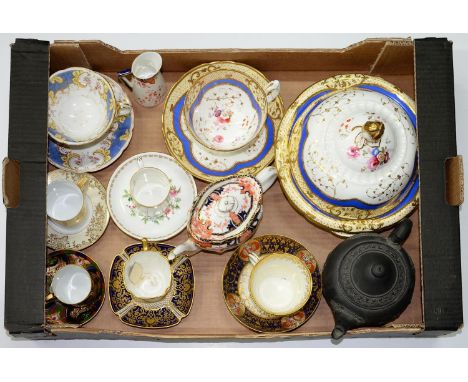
{"x": 285, "y": 161}
{"x": 174, "y": 145}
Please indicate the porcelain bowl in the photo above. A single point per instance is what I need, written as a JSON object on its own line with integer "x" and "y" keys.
{"x": 225, "y": 110}
{"x": 82, "y": 106}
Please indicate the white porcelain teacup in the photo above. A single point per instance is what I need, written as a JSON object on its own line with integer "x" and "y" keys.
{"x": 280, "y": 283}
{"x": 71, "y": 285}
{"x": 66, "y": 202}
{"x": 149, "y": 186}
{"x": 147, "y": 274}
{"x": 225, "y": 110}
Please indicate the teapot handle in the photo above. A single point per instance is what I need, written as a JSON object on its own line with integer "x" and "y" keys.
{"x": 267, "y": 177}
{"x": 186, "y": 248}
{"x": 401, "y": 232}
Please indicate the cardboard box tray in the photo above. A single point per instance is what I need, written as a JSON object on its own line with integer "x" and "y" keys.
{"x": 416, "y": 67}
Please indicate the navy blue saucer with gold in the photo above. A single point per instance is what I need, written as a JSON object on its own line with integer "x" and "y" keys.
{"x": 60, "y": 314}
{"x": 168, "y": 311}
{"x": 236, "y": 280}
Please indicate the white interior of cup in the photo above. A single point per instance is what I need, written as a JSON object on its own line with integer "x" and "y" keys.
{"x": 146, "y": 65}
{"x": 64, "y": 200}
{"x": 280, "y": 284}
{"x": 149, "y": 186}
{"x": 71, "y": 284}
{"x": 147, "y": 275}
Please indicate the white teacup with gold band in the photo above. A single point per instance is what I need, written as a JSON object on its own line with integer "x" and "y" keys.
{"x": 226, "y": 109}
{"x": 82, "y": 106}
{"x": 149, "y": 186}
{"x": 147, "y": 274}
{"x": 66, "y": 205}
{"x": 280, "y": 283}
{"x": 70, "y": 285}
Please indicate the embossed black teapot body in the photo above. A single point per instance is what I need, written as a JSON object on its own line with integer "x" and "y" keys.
{"x": 368, "y": 279}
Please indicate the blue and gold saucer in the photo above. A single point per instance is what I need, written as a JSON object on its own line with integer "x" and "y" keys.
{"x": 236, "y": 285}
{"x": 166, "y": 312}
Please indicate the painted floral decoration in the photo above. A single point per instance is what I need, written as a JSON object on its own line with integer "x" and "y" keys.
{"x": 159, "y": 215}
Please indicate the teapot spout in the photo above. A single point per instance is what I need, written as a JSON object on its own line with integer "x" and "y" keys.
{"x": 344, "y": 320}
{"x": 338, "y": 332}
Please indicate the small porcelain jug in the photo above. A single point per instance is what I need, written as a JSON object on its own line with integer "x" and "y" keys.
{"x": 147, "y": 82}
{"x": 226, "y": 213}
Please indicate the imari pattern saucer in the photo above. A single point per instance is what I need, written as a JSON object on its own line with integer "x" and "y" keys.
{"x": 100, "y": 154}
{"x": 140, "y": 222}
{"x": 168, "y": 311}
{"x": 59, "y": 314}
{"x": 95, "y": 221}
{"x": 375, "y": 189}
{"x": 236, "y": 285}
{"x": 210, "y": 165}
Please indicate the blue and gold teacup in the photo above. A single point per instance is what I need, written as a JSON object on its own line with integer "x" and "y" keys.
{"x": 82, "y": 106}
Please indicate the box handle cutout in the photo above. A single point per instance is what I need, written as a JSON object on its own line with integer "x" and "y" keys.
{"x": 11, "y": 183}
{"x": 454, "y": 181}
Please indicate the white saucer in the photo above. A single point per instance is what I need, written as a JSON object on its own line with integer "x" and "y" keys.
{"x": 95, "y": 222}
{"x": 140, "y": 222}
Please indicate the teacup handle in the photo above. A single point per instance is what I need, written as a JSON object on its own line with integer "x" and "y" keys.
{"x": 186, "y": 248}
{"x": 272, "y": 90}
{"x": 254, "y": 258}
{"x": 267, "y": 177}
{"x": 50, "y": 296}
{"x": 123, "y": 108}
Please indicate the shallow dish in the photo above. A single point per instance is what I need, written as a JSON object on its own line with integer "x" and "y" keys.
{"x": 236, "y": 285}
{"x": 102, "y": 153}
{"x": 210, "y": 165}
{"x": 59, "y": 314}
{"x": 166, "y": 312}
{"x": 349, "y": 215}
{"x": 141, "y": 222}
{"x": 94, "y": 222}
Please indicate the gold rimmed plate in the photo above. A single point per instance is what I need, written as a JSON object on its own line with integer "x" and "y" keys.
{"x": 168, "y": 311}
{"x": 207, "y": 164}
{"x": 94, "y": 222}
{"x": 236, "y": 285}
{"x": 340, "y": 217}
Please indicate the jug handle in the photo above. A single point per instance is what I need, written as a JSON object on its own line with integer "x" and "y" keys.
{"x": 186, "y": 248}
{"x": 267, "y": 177}
{"x": 122, "y": 75}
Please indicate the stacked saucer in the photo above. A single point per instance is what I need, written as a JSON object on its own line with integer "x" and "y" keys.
{"x": 346, "y": 154}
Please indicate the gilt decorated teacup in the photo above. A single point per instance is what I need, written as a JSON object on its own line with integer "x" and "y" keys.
{"x": 66, "y": 205}
{"x": 225, "y": 110}
{"x": 82, "y": 106}
{"x": 149, "y": 186}
{"x": 280, "y": 283}
{"x": 71, "y": 285}
{"x": 147, "y": 274}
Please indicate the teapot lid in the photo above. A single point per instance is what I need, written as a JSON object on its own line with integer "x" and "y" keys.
{"x": 225, "y": 209}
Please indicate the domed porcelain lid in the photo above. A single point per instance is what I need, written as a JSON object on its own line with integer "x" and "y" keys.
{"x": 225, "y": 209}
{"x": 359, "y": 144}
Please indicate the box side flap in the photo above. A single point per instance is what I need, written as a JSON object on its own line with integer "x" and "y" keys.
{"x": 440, "y": 227}
{"x": 25, "y": 228}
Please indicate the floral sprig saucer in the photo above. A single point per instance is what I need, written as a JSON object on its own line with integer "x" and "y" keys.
{"x": 168, "y": 311}
{"x": 236, "y": 285}
{"x": 95, "y": 221}
{"x": 152, "y": 224}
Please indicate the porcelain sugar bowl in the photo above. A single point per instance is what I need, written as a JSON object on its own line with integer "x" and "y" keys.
{"x": 226, "y": 213}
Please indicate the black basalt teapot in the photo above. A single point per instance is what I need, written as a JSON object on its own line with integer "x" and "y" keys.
{"x": 368, "y": 279}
